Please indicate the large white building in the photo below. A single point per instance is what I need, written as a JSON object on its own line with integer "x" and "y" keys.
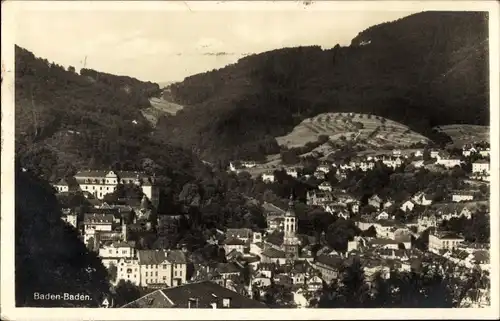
{"x": 444, "y": 241}
{"x": 162, "y": 267}
{"x": 100, "y": 183}
{"x": 111, "y": 254}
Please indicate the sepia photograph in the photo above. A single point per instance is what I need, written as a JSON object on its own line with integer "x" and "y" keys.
{"x": 271, "y": 155}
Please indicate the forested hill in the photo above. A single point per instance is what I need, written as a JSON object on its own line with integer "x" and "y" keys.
{"x": 127, "y": 84}
{"x": 66, "y": 122}
{"x": 427, "y": 69}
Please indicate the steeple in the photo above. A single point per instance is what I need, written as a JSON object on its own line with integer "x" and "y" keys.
{"x": 290, "y": 211}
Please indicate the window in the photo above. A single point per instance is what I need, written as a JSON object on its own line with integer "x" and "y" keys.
{"x": 164, "y": 278}
{"x": 121, "y": 269}
{"x": 124, "y": 251}
{"x": 175, "y": 273}
{"x": 156, "y": 273}
{"x": 110, "y": 251}
{"x": 146, "y": 273}
{"x": 164, "y": 266}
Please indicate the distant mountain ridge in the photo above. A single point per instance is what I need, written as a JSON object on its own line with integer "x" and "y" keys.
{"x": 423, "y": 70}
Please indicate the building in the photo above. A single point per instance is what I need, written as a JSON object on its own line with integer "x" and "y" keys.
{"x": 71, "y": 219}
{"x": 233, "y": 243}
{"x": 481, "y": 167}
{"x": 128, "y": 269}
{"x": 97, "y": 222}
{"x": 375, "y": 201}
{"x": 162, "y": 267}
{"x": 319, "y": 175}
{"x": 199, "y": 295}
{"x": 325, "y": 186}
{"x": 100, "y": 183}
{"x": 325, "y": 168}
{"x": 292, "y": 172}
{"x": 407, "y": 206}
{"x": 290, "y": 240}
{"x": 112, "y": 252}
{"x": 462, "y": 197}
{"x": 268, "y": 177}
{"x": 423, "y": 199}
{"x": 444, "y": 241}
{"x": 243, "y": 234}
{"x": 328, "y": 266}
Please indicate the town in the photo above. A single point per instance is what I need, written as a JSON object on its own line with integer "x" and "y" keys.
{"x": 330, "y": 214}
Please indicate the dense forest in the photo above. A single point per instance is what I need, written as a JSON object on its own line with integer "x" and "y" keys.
{"x": 66, "y": 121}
{"x": 424, "y": 70}
{"x": 50, "y": 258}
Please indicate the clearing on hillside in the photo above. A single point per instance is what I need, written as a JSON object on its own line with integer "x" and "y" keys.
{"x": 369, "y": 130}
{"x": 158, "y": 108}
{"x": 465, "y": 134}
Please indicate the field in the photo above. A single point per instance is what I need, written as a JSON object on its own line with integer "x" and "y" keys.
{"x": 371, "y": 131}
{"x": 158, "y": 108}
{"x": 465, "y": 134}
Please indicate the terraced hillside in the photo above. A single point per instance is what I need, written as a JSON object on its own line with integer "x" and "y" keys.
{"x": 465, "y": 134}
{"x": 371, "y": 131}
{"x": 160, "y": 107}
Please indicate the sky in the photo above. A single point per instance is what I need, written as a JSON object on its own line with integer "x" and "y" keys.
{"x": 168, "y": 45}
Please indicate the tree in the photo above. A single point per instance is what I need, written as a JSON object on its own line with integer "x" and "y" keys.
{"x": 55, "y": 261}
{"x": 112, "y": 272}
{"x": 125, "y": 292}
{"x": 71, "y": 69}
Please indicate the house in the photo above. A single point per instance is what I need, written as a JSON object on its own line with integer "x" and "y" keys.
{"x": 325, "y": 186}
{"x": 228, "y": 270}
{"x": 243, "y": 234}
{"x": 111, "y": 252}
{"x": 268, "y": 177}
{"x": 375, "y": 201}
{"x": 319, "y": 175}
{"x": 235, "y": 166}
{"x": 387, "y": 204}
{"x": 319, "y": 197}
{"x": 485, "y": 152}
{"x": 468, "y": 150}
{"x": 426, "y": 221}
{"x": 423, "y": 199}
{"x": 440, "y": 240}
{"x": 393, "y": 162}
{"x": 407, "y": 206}
{"x": 418, "y": 153}
{"x": 328, "y": 266}
{"x": 383, "y": 216}
{"x": 66, "y": 185}
{"x": 462, "y": 196}
{"x": 233, "y": 243}
{"x": 162, "y": 267}
{"x": 325, "y": 168}
{"x": 272, "y": 255}
{"x": 274, "y": 222}
{"x": 314, "y": 283}
{"x": 449, "y": 162}
{"x": 292, "y": 172}
{"x": 435, "y": 153}
{"x": 97, "y": 222}
{"x": 71, "y": 219}
{"x": 128, "y": 269}
{"x": 338, "y": 209}
{"x": 199, "y": 295}
{"x": 481, "y": 167}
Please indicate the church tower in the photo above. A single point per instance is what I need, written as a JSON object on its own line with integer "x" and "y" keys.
{"x": 290, "y": 240}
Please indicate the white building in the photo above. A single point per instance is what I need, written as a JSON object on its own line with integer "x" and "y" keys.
{"x": 128, "y": 270}
{"x": 268, "y": 177}
{"x": 444, "y": 241}
{"x": 292, "y": 172}
{"x": 449, "y": 162}
{"x": 325, "y": 186}
{"x": 71, "y": 219}
{"x": 481, "y": 167}
{"x": 100, "y": 183}
{"x": 162, "y": 267}
{"x": 462, "y": 197}
{"x": 114, "y": 252}
{"x": 325, "y": 168}
{"x": 407, "y": 206}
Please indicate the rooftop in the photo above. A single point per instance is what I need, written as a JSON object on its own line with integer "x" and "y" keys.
{"x": 201, "y": 294}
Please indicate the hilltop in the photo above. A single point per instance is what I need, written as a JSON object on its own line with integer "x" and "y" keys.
{"x": 67, "y": 121}
{"x": 462, "y": 134}
{"x": 425, "y": 70}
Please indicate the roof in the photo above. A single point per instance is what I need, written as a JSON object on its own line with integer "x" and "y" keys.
{"x": 151, "y": 257}
{"x": 176, "y": 257}
{"x": 482, "y": 161}
{"x": 227, "y": 268}
{"x": 239, "y": 232}
{"x": 332, "y": 261}
{"x": 481, "y": 256}
{"x": 98, "y": 218}
{"x": 447, "y": 235}
{"x": 205, "y": 293}
{"x": 92, "y": 173}
{"x": 234, "y": 241}
{"x": 273, "y": 253}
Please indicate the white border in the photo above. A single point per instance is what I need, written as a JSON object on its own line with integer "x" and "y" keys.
{"x": 9, "y": 11}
